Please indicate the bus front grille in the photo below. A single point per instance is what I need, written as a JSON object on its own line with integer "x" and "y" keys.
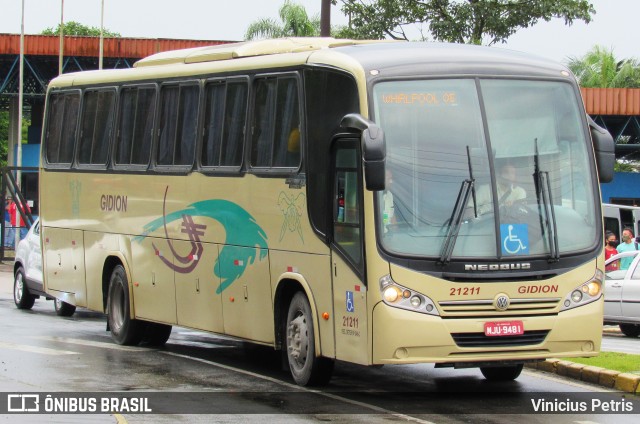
{"x": 484, "y": 308}
{"x": 480, "y": 340}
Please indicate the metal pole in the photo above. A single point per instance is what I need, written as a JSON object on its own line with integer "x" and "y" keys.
{"x": 19, "y": 129}
{"x": 325, "y": 18}
{"x": 61, "y": 37}
{"x": 101, "y": 35}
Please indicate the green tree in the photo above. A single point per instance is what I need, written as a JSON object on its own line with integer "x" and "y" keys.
{"x": 78, "y": 29}
{"x": 599, "y": 68}
{"x": 4, "y": 135}
{"x": 295, "y": 23}
{"x": 459, "y": 21}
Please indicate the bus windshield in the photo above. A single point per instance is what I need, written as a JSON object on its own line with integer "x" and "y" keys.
{"x": 493, "y": 167}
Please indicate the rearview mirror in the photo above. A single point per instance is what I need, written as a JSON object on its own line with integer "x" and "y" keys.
{"x": 604, "y": 149}
{"x": 374, "y": 150}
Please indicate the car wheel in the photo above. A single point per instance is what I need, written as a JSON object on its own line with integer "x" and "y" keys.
{"x": 306, "y": 368}
{"x": 21, "y": 296}
{"x": 502, "y": 373}
{"x": 63, "y": 309}
{"x": 155, "y": 334}
{"x": 124, "y": 329}
{"x": 630, "y": 330}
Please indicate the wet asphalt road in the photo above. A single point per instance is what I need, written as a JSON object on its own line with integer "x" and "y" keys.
{"x": 40, "y": 352}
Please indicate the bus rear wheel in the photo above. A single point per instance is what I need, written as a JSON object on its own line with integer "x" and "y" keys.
{"x": 505, "y": 373}
{"x": 306, "y": 368}
{"x": 156, "y": 334}
{"x": 124, "y": 329}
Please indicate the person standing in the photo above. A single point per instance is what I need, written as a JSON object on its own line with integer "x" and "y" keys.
{"x": 628, "y": 245}
{"x": 610, "y": 250}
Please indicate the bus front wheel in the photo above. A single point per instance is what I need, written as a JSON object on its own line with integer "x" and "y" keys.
{"x": 124, "y": 329}
{"x": 505, "y": 373}
{"x": 306, "y": 368}
{"x": 630, "y": 330}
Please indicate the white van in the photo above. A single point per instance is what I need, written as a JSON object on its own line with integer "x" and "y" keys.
{"x": 617, "y": 217}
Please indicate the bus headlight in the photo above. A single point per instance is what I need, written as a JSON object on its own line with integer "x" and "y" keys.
{"x": 585, "y": 293}
{"x": 393, "y": 294}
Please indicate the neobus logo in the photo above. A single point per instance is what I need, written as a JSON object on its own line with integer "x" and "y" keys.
{"x": 497, "y": 267}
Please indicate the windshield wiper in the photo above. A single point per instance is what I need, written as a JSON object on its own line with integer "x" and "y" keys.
{"x": 543, "y": 192}
{"x": 466, "y": 188}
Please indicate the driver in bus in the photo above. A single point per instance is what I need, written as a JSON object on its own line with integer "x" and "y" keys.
{"x": 509, "y": 192}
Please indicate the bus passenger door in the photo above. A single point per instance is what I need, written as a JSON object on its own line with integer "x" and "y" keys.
{"x": 245, "y": 287}
{"x": 198, "y": 305}
{"x": 347, "y": 258}
{"x": 154, "y": 292}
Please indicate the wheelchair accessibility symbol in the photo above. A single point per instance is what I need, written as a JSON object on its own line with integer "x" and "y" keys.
{"x": 515, "y": 239}
{"x": 350, "y": 306}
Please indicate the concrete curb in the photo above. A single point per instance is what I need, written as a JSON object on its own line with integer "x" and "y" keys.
{"x": 610, "y": 379}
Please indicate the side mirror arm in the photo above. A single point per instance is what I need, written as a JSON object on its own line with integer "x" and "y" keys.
{"x": 374, "y": 149}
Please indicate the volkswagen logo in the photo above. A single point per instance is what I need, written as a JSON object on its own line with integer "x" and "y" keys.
{"x": 501, "y": 302}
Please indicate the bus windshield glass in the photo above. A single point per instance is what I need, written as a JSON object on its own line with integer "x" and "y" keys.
{"x": 495, "y": 168}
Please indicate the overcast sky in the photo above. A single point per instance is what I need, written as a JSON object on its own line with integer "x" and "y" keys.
{"x": 614, "y": 25}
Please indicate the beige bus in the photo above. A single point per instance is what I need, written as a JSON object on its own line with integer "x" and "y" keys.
{"x": 369, "y": 202}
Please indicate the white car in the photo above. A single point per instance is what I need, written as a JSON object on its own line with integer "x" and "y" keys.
{"x": 622, "y": 295}
{"x": 27, "y": 274}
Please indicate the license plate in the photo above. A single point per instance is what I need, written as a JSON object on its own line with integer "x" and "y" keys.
{"x": 504, "y": 328}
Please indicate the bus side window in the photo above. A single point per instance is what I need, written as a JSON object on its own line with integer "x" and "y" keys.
{"x": 135, "y": 130}
{"x": 97, "y": 120}
{"x": 276, "y": 124}
{"x": 61, "y": 127}
{"x": 225, "y": 119}
{"x": 178, "y": 124}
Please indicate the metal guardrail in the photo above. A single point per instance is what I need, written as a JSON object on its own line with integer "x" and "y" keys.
{"x": 11, "y": 191}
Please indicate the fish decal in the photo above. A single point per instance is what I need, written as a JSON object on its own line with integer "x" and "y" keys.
{"x": 244, "y": 238}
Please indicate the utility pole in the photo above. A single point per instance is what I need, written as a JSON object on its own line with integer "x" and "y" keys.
{"x": 325, "y": 18}
{"x": 101, "y": 54}
{"x": 61, "y": 55}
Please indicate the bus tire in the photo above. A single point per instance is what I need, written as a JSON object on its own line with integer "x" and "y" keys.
{"x": 156, "y": 334}
{"x": 124, "y": 329}
{"x": 63, "y": 309}
{"x": 630, "y": 330}
{"x": 506, "y": 373}
{"x": 21, "y": 296}
{"x": 306, "y": 368}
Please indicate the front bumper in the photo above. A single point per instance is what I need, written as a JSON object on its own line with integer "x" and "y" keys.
{"x": 403, "y": 337}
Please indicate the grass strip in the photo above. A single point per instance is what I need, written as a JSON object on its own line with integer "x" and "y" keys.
{"x": 622, "y": 362}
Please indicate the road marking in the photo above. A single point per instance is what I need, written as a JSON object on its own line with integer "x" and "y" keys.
{"x": 101, "y": 345}
{"x": 300, "y": 388}
{"x": 120, "y": 419}
{"x": 180, "y": 342}
{"x": 36, "y": 349}
{"x": 565, "y": 380}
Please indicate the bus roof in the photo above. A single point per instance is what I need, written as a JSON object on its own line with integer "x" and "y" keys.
{"x": 370, "y": 59}
{"x": 246, "y": 49}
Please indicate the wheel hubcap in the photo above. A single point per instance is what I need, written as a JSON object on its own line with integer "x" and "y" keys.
{"x": 19, "y": 288}
{"x": 117, "y": 308}
{"x": 298, "y": 340}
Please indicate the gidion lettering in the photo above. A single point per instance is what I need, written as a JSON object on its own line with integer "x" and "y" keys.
{"x": 110, "y": 202}
{"x": 547, "y": 288}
